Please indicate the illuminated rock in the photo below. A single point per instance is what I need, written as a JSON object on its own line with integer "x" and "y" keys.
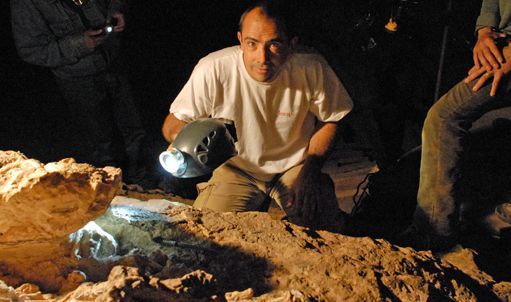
{"x": 92, "y": 241}
{"x": 43, "y": 202}
{"x": 40, "y": 205}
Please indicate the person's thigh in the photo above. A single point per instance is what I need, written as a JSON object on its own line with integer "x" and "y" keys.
{"x": 230, "y": 190}
{"x": 280, "y": 190}
{"x": 462, "y": 105}
{"x": 87, "y": 100}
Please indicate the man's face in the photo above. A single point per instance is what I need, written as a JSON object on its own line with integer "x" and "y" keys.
{"x": 264, "y": 47}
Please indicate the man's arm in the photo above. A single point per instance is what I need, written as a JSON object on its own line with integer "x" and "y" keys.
{"x": 306, "y": 196}
{"x": 192, "y": 102}
{"x": 171, "y": 127}
{"x": 321, "y": 146}
{"x": 323, "y": 141}
{"x": 118, "y": 6}
{"x": 489, "y": 15}
{"x": 117, "y": 10}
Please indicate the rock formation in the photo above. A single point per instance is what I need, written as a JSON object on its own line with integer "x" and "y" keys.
{"x": 40, "y": 205}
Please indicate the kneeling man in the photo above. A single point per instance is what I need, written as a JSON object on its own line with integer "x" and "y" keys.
{"x": 286, "y": 107}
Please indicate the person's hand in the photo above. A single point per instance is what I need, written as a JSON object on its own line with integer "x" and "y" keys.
{"x": 92, "y": 38}
{"x": 306, "y": 193}
{"x": 483, "y": 75}
{"x": 120, "y": 24}
{"x": 486, "y": 53}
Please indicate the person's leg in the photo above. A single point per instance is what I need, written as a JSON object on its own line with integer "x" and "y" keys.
{"x": 129, "y": 123}
{"x": 328, "y": 210}
{"x": 88, "y": 102}
{"x": 231, "y": 190}
{"x": 443, "y": 139}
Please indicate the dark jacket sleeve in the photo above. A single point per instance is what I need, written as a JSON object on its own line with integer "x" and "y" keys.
{"x": 489, "y": 16}
{"x": 117, "y": 6}
{"x": 37, "y": 44}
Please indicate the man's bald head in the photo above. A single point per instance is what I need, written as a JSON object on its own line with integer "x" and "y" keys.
{"x": 270, "y": 11}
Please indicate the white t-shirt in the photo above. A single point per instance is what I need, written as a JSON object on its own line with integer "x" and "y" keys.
{"x": 274, "y": 121}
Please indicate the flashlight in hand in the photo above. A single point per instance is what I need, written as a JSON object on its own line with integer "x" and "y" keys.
{"x": 108, "y": 29}
{"x": 200, "y": 147}
{"x": 109, "y": 26}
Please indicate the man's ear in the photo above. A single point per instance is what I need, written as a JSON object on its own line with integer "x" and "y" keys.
{"x": 239, "y": 37}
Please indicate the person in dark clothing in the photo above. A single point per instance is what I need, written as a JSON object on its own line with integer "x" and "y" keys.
{"x": 437, "y": 219}
{"x": 71, "y": 38}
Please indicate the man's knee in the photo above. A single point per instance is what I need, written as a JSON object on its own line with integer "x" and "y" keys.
{"x": 456, "y": 105}
{"x": 225, "y": 197}
{"x": 438, "y": 117}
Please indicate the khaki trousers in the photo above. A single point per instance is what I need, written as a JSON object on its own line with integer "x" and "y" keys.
{"x": 232, "y": 190}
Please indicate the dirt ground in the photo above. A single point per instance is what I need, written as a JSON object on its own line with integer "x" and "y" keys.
{"x": 192, "y": 255}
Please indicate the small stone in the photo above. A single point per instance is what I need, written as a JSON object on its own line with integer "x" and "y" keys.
{"x": 239, "y": 296}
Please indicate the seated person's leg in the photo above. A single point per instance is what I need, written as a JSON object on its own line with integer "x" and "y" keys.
{"x": 230, "y": 190}
{"x": 443, "y": 140}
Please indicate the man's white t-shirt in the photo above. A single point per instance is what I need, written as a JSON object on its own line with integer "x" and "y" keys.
{"x": 274, "y": 121}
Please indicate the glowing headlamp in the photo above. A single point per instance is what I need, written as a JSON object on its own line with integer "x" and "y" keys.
{"x": 200, "y": 147}
{"x": 173, "y": 162}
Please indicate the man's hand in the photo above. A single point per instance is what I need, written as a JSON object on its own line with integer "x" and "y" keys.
{"x": 120, "y": 22}
{"x": 92, "y": 38}
{"x": 171, "y": 127}
{"x": 306, "y": 192}
{"x": 483, "y": 75}
{"x": 486, "y": 53}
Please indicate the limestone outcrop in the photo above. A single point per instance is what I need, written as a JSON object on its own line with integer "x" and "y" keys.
{"x": 40, "y": 205}
{"x": 44, "y": 202}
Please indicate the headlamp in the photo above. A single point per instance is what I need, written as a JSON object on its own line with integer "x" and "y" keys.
{"x": 200, "y": 147}
{"x": 173, "y": 162}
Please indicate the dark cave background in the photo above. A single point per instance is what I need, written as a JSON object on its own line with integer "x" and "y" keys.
{"x": 165, "y": 39}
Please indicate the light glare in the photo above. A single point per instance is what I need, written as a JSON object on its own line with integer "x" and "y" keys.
{"x": 173, "y": 161}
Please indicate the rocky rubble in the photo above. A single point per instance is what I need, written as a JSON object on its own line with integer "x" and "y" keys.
{"x": 207, "y": 256}
{"x": 177, "y": 253}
